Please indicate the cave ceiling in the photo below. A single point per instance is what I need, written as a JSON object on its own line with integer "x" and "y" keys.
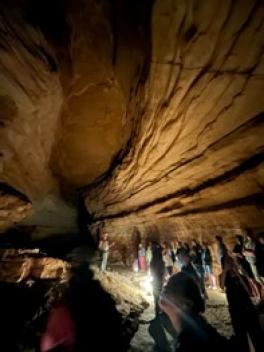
{"x": 151, "y": 111}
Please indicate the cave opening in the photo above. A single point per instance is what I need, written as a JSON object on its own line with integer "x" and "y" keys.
{"x": 131, "y": 175}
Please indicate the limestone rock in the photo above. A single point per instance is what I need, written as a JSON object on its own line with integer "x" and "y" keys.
{"x": 153, "y": 109}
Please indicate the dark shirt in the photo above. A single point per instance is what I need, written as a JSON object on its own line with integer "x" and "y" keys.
{"x": 221, "y": 251}
{"x": 198, "y": 335}
{"x": 157, "y": 265}
{"x": 197, "y": 255}
{"x": 236, "y": 293}
{"x": 241, "y": 260}
{"x": 190, "y": 271}
{"x": 206, "y": 257}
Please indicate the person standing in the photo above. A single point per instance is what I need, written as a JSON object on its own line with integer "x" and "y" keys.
{"x": 244, "y": 265}
{"x": 208, "y": 266}
{"x": 157, "y": 269}
{"x": 249, "y": 252}
{"x": 104, "y": 247}
{"x": 141, "y": 257}
{"x": 196, "y": 257}
{"x": 168, "y": 259}
{"x": 148, "y": 257}
{"x": 260, "y": 257}
{"x": 242, "y": 311}
{"x": 181, "y": 301}
{"x": 221, "y": 251}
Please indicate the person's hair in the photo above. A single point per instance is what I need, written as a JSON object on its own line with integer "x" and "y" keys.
{"x": 186, "y": 293}
{"x": 240, "y": 238}
{"x": 219, "y": 238}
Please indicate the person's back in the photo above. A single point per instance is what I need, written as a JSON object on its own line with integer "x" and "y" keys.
{"x": 221, "y": 250}
{"x": 198, "y": 335}
{"x": 91, "y": 314}
{"x": 190, "y": 271}
{"x": 196, "y": 254}
{"x": 181, "y": 300}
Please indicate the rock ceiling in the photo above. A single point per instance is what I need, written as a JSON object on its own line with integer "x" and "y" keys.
{"x": 152, "y": 110}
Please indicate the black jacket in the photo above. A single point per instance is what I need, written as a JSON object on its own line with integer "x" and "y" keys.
{"x": 198, "y": 335}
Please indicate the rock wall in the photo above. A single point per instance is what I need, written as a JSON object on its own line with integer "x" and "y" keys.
{"x": 67, "y": 72}
{"x": 153, "y": 109}
{"x": 195, "y": 166}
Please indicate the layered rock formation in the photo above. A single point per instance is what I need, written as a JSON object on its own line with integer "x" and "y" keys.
{"x": 196, "y": 161}
{"x": 154, "y": 110}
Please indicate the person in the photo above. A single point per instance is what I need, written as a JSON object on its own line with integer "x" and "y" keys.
{"x": 157, "y": 269}
{"x": 242, "y": 311}
{"x": 244, "y": 265}
{"x": 249, "y": 252}
{"x": 221, "y": 250}
{"x": 259, "y": 251}
{"x": 76, "y": 320}
{"x": 186, "y": 248}
{"x": 196, "y": 256}
{"x": 182, "y": 302}
{"x": 179, "y": 251}
{"x": 168, "y": 259}
{"x": 104, "y": 247}
{"x": 141, "y": 257}
{"x": 189, "y": 270}
{"x": 208, "y": 266}
{"x": 148, "y": 256}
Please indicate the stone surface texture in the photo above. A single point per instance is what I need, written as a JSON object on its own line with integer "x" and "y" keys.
{"x": 154, "y": 110}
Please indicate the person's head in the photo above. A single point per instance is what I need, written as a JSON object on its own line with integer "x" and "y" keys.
{"x": 105, "y": 236}
{"x": 140, "y": 245}
{"x": 218, "y": 239}
{"x": 248, "y": 234}
{"x": 181, "y": 300}
{"x": 194, "y": 242}
{"x": 185, "y": 258}
{"x": 204, "y": 245}
{"x": 239, "y": 239}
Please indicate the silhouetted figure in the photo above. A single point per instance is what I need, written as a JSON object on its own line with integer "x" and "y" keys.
{"x": 244, "y": 264}
{"x": 249, "y": 247}
{"x": 242, "y": 311}
{"x": 86, "y": 320}
{"x": 208, "y": 266}
{"x": 141, "y": 257}
{"x": 104, "y": 247}
{"x": 186, "y": 248}
{"x": 260, "y": 256}
{"x": 189, "y": 270}
{"x": 221, "y": 250}
{"x": 182, "y": 302}
{"x": 148, "y": 256}
{"x": 168, "y": 259}
{"x": 157, "y": 269}
{"x": 196, "y": 256}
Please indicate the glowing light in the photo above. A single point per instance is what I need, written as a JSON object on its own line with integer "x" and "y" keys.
{"x": 147, "y": 283}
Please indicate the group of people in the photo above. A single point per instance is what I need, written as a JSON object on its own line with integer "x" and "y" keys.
{"x": 179, "y": 273}
{"x": 182, "y": 299}
{"x": 195, "y": 259}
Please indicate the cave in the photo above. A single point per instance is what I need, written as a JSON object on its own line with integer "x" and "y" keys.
{"x": 140, "y": 119}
